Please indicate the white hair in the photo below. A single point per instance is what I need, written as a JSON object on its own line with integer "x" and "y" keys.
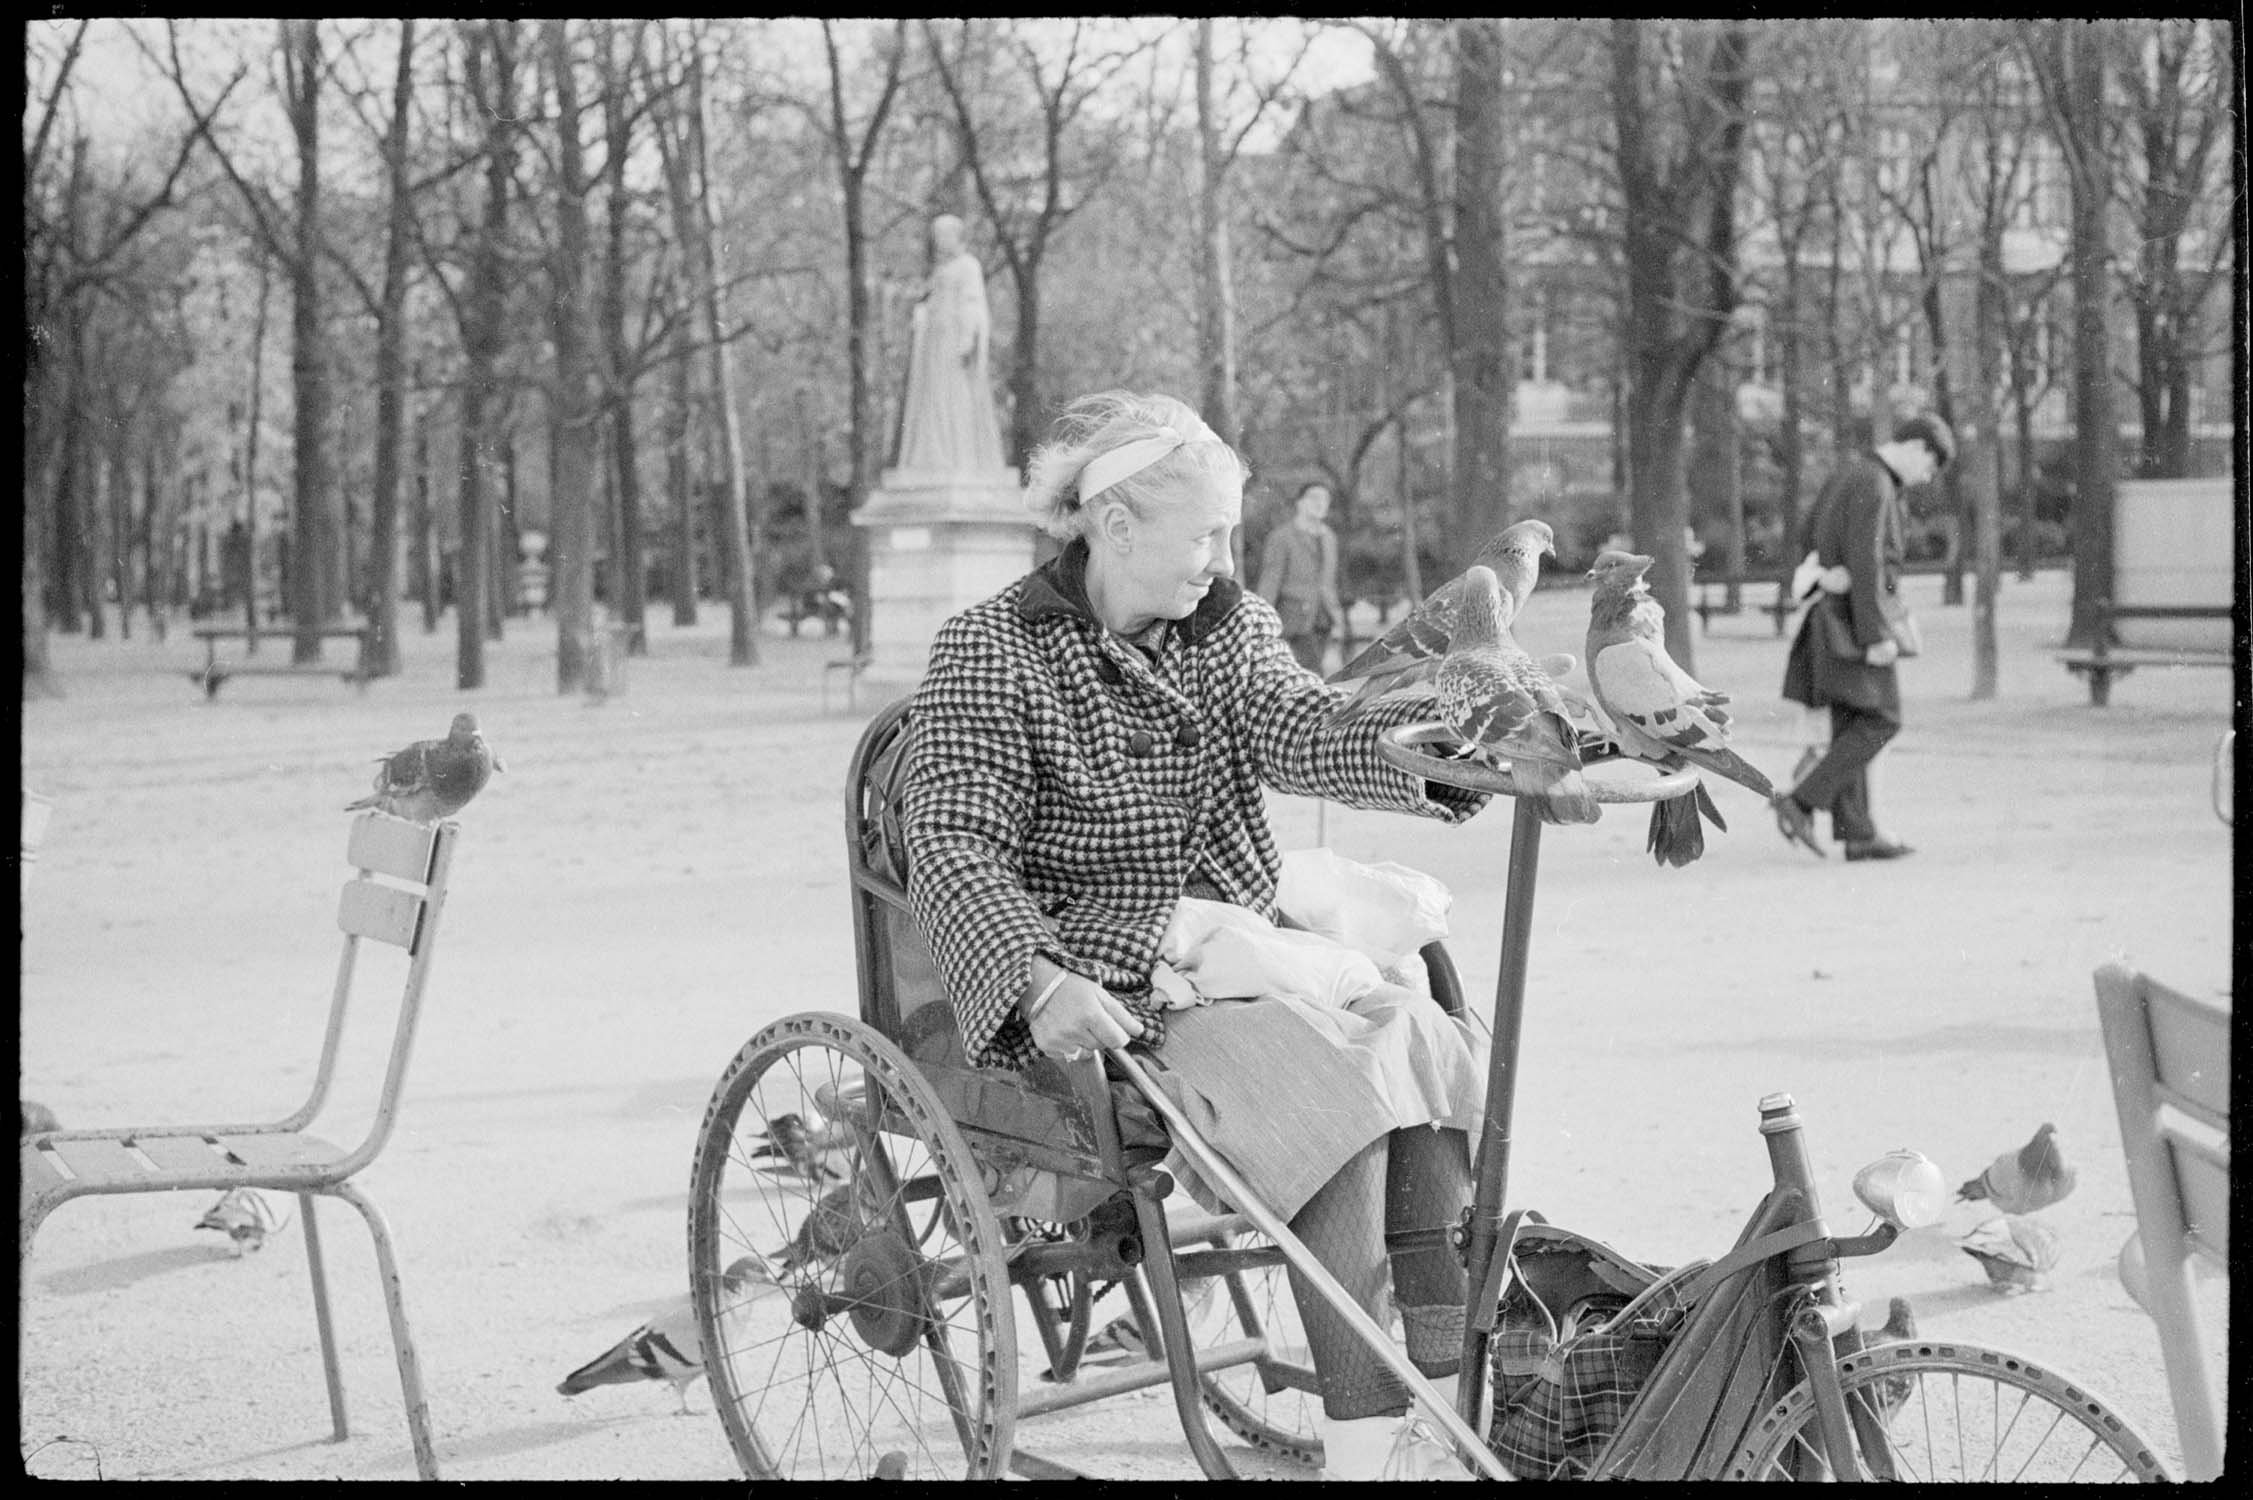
{"x": 1097, "y": 424}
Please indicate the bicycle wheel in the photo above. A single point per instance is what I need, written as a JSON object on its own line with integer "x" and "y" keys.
{"x": 1272, "y": 1402}
{"x": 852, "y": 1295}
{"x": 1926, "y": 1411}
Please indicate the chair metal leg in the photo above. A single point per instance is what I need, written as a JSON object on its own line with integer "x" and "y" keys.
{"x": 321, "y": 1318}
{"x": 402, "y": 1339}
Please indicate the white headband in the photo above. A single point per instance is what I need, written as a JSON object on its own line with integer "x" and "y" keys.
{"x": 1129, "y": 459}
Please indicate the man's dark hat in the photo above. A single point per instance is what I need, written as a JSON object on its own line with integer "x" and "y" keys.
{"x": 1933, "y": 433}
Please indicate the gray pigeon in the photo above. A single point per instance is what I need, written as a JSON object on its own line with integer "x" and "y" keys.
{"x": 807, "y": 1151}
{"x": 666, "y": 1347}
{"x": 37, "y": 1118}
{"x": 837, "y": 1222}
{"x": 433, "y": 779}
{"x": 2017, "y": 1253}
{"x": 2023, "y": 1181}
{"x": 245, "y": 1217}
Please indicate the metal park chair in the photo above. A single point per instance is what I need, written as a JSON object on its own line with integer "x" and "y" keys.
{"x": 396, "y": 896}
{"x": 2170, "y": 1081}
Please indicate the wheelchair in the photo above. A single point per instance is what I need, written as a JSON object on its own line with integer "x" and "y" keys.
{"x": 873, "y": 1221}
{"x": 922, "y": 1233}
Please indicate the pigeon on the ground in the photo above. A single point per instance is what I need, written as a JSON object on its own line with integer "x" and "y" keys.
{"x": 1122, "y": 1335}
{"x": 2016, "y": 1252}
{"x": 834, "y": 1225}
{"x": 1656, "y": 711}
{"x": 1496, "y": 697}
{"x": 37, "y": 1118}
{"x": 892, "y": 1465}
{"x": 2023, "y": 1181}
{"x": 433, "y": 779}
{"x": 806, "y": 1151}
{"x": 666, "y": 1347}
{"x": 1410, "y": 652}
{"x": 1900, "y": 1325}
{"x": 245, "y": 1216}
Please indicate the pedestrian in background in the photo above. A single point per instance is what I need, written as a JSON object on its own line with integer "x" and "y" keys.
{"x": 1852, "y": 634}
{"x": 1299, "y": 576}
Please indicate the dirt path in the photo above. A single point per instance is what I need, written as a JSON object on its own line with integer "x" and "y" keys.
{"x": 657, "y": 876}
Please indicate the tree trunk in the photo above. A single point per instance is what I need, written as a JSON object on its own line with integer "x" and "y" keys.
{"x": 1792, "y": 452}
{"x": 257, "y": 403}
{"x": 1981, "y": 461}
{"x": 426, "y": 530}
{"x": 485, "y": 303}
{"x": 680, "y": 483}
{"x": 65, "y": 546}
{"x": 1216, "y": 286}
{"x": 620, "y": 368}
{"x": 2096, "y": 437}
{"x": 314, "y": 553}
{"x": 743, "y": 636}
{"x": 574, "y": 408}
{"x": 1716, "y": 495}
{"x": 1024, "y": 372}
{"x": 391, "y": 378}
{"x": 1481, "y": 359}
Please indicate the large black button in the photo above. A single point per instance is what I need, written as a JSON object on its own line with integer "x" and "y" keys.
{"x": 1141, "y": 742}
{"x": 1107, "y": 672}
{"x": 1188, "y": 736}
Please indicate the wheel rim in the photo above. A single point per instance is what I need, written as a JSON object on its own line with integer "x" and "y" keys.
{"x": 1271, "y": 1404}
{"x": 1956, "y": 1413}
{"x": 872, "y": 1336}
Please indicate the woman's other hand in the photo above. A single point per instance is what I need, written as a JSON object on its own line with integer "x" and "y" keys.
{"x": 1083, "y": 1016}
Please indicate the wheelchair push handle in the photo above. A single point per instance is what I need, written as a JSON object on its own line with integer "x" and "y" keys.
{"x": 1403, "y": 746}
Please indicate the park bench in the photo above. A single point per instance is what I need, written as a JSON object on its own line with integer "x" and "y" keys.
{"x": 214, "y": 671}
{"x": 2104, "y": 661}
{"x": 1722, "y": 594}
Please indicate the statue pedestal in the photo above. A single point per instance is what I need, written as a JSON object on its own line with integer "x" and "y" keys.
{"x": 937, "y": 544}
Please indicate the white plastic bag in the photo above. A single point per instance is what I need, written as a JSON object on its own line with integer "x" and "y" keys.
{"x": 1386, "y": 911}
{"x": 1230, "y": 952}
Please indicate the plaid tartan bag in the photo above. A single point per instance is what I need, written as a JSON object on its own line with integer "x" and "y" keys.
{"x": 1566, "y": 1368}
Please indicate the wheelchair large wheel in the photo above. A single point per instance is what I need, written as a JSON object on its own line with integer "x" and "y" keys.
{"x": 849, "y": 1274}
{"x": 1271, "y": 1403}
{"x": 1926, "y": 1411}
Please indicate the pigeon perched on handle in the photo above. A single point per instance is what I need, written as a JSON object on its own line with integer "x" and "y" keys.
{"x": 2026, "y": 1180}
{"x": 1657, "y": 712}
{"x": 666, "y": 1347}
{"x": 1410, "y": 652}
{"x": 433, "y": 779}
{"x": 1496, "y": 697}
{"x": 2016, "y": 1252}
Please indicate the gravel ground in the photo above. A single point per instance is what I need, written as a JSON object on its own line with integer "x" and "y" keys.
{"x": 658, "y": 875}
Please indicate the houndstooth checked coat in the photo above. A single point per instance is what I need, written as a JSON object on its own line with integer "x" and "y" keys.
{"x": 1066, "y": 789}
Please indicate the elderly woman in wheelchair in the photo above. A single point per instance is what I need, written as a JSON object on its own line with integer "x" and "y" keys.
{"x": 1090, "y": 748}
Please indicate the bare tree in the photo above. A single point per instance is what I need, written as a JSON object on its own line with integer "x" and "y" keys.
{"x": 855, "y": 152}
{"x": 1071, "y": 167}
{"x": 2170, "y": 73}
{"x": 491, "y": 49}
{"x": 682, "y": 143}
{"x": 575, "y": 404}
{"x": 1678, "y": 173}
{"x": 2070, "y": 64}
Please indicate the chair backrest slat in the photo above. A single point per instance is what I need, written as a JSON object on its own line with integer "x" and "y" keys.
{"x": 382, "y": 912}
{"x": 392, "y": 846}
{"x": 2190, "y": 1047}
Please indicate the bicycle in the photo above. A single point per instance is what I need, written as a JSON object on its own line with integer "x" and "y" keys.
{"x": 881, "y": 1337}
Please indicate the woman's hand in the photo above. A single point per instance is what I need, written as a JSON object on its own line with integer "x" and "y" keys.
{"x": 1082, "y": 1016}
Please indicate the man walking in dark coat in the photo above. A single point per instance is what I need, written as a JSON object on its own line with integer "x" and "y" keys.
{"x": 1845, "y": 662}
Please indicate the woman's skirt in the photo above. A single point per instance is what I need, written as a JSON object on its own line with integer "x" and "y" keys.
{"x": 1287, "y": 1091}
